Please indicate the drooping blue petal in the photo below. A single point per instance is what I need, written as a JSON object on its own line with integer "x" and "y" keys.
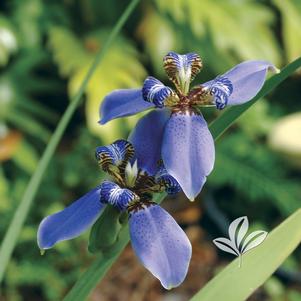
{"x": 160, "y": 244}
{"x": 247, "y": 79}
{"x": 112, "y": 194}
{"x": 182, "y": 69}
{"x": 155, "y": 92}
{"x": 70, "y": 222}
{"x": 121, "y": 103}
{"x": 114, "y": 154}
{"x": 170, "y": 183}
{"x": 147, "y": 137}
{"x": 188, "y": 151}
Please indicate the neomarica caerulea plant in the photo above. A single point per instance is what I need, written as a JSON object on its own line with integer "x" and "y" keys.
{"x": 176, "y": 131}
{"x": 158, "y": 241}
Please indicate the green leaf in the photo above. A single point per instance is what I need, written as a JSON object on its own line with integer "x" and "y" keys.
{"x": 233, "y": 18}
{"x": 257, "y": 264}
{"x": 26, "y": 157}
{"x": 247, "y": 168}
{"x": 12, "y": 234}
{"x": 105, "y": 231}
{"x": 158, "y": 36}
{"x": 125, "y": 71}
{"x": 98, "y": 269}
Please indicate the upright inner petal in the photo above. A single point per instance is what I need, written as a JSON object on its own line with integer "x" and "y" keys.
{"x": 182, "y": 69}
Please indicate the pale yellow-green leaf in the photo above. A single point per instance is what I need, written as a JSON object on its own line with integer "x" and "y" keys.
{"x": 119, "y": 69}
{"x": 231, "y": 28}
{"x": 158, "y": 36}
{"x": 26, "y": 157}
{"x": 67, "y": 50}
{"x": 237, "y": 284}
{"x": 291, "y": 28}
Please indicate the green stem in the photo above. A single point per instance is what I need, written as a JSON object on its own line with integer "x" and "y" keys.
{"x": 101, "y": 265}
{"x": 21, "y": 213}
{"x": 98, "y": 269}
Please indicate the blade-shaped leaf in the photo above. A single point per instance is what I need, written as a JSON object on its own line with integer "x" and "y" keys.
{"x": 237, "y": 230}
{"x": 225, "y": 245}
{"x": 253, "y": 240}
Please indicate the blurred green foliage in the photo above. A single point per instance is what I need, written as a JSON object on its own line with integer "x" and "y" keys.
{"x": 46, "y": 48}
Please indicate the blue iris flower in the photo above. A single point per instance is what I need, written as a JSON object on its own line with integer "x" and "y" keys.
{"x": 176, "y": 131}
{"x": 158, "y": 241}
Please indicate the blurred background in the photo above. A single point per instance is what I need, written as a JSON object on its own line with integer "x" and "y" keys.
{"x": 46, "y": 48}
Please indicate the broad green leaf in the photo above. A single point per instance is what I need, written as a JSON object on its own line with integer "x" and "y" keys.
{"x": 257, "y": 266}
{"x": 254, "y": 36}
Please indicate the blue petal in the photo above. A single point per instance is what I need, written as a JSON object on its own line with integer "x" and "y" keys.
{"x": 70, "y": 222}
{"x": 185, "y": 66}
{"x": 220, "y": 88}
{"x": 118, "y": 197}
{"x": 170, "y": 183}
{"x": 122, "y": 103}
{"x": 147, "y": 139}
{"x": 114, "y": 154}
{"x": 155, "y": 92}
{"x": 247, "y": 80}
{"x": 188, "y": 151}
{"x": 160, "y": 244}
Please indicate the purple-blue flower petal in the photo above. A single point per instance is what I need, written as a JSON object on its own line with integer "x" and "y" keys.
{"x": 170, "y": 183}
{"x": 182, "y": 68}
{"x": 188, "y": 151}
{"x": 147, "y": 137}
{"x": 160, "y": 244}
{"x": 121, "y": 103}
{"x": 114, "y": 154}
{"x": 155, "y": 92}
{"x": 247, "y": 79}
{"x": 118, "y": 197}
{"x": 70, "y": 222}
{"x": 220, "y": 89}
